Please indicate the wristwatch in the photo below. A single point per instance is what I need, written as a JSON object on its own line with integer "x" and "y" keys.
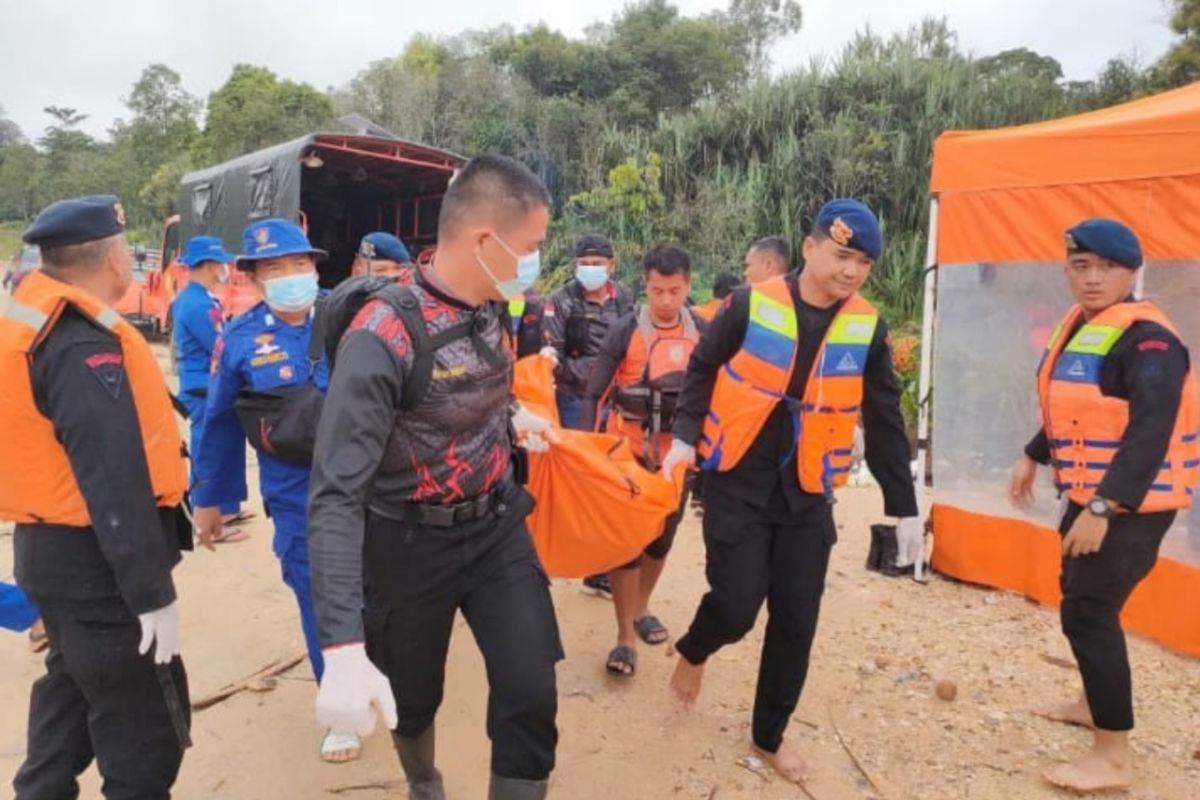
{"x": 1100, "y": 507}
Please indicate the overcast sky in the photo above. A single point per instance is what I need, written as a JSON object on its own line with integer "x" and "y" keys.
{"x": 86, "y": 54}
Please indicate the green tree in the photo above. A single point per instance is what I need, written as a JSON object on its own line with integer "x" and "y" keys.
{"x": 21, "y": 170}
{"x": 255, "y": 109}
{"x": 1181, "y": 64}
{"x": 758, "y": 24}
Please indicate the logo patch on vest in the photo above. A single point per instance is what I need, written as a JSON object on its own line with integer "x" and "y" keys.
{"x": 859, "y": 329}
{"x": 1091, "y": 339}
{"x": 109, "y": 370}
{"x": 847, "y": 364}
{"x": 1077, "y": 369}
{"x": 675, "y": 353}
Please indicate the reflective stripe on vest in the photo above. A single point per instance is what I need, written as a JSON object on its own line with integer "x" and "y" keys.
{"x": 1085, "y": 428}
{"x": 516, "y": 312}
{"x": 750, "y": 385}
{"x": 37, "y": 483}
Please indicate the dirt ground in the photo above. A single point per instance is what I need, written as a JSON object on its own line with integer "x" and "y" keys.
{"x": 882, "y": 645}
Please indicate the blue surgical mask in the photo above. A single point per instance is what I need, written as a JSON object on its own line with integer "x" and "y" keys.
{"x": 529, "y": 267}
{"x": 291, "y": 292}
{"x": 591, "y": 276}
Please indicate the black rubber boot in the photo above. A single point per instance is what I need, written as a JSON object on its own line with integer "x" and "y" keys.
{"x": 416, "y": 756}
{"x": 889, "y": 549}
{"x": 873, "y": 551}
{"x": 516, "y": 789}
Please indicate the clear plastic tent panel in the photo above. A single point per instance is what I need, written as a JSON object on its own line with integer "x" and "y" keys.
{"x": 993, "y": 321}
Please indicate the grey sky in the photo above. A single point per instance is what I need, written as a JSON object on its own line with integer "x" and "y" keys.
{"x": 86, "y": 54}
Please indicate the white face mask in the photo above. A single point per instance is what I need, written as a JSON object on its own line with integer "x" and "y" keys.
{"x": 222, "y": 273}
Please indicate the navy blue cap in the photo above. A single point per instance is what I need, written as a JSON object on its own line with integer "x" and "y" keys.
{"x": 1108, "y": 239}
{"x": 200, "y": 249}
{"x": 75, "y": 221}
{"x": 274, "y": 238}
{"x": 594, "y": 244}
{"x": 851, "y": 224}
{"x": 384, "y": 246}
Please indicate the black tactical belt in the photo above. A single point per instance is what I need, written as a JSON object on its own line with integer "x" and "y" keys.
{"x": 453, "y": 514}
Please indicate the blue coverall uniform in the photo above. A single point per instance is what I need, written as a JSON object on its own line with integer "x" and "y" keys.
{"x": 260, "y": 351}
{"x": 197, "y": 320}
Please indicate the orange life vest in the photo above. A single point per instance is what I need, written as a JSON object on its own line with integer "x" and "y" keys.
{"x": 749, "y": 386}
{"x": 648, "y": 382}
{"x": 36, "y": 480}
{"x": 1085, "y": 428}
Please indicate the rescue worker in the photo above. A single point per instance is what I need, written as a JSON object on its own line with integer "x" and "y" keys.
{"x": 640, "y": 369}
{"x": 1118, "y": 401}
{"x": 381, "y": 253}
{"x": 772, "y": 395}
{"x": 414, "y": 510}
{"x": 267, "y": 348}
{"x": 93, "y": 474}
{"x": 577, "y": 317}
{"x": 768, "y": 258}
{"x": 197, "y": 320}
{"x": 723, "y": 285}
{"x": 525, "y": 314}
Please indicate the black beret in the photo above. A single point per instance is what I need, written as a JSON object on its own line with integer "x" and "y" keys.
{"x": 75, "y": 221}
{"x": 1108, "y": 239}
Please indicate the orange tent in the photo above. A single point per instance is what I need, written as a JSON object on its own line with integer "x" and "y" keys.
{"x": 1002, "y": 201}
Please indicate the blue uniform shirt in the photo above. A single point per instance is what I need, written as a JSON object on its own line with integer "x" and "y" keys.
{"x": 262, "y": 352}
{"x": 197, "y": 318}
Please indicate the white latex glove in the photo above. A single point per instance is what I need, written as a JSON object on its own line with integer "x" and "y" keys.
{"x": 353, "y": 691}
{"x": 550, "y": 353}
{"x": 910, "y": 541}
{"x": 680, "y": 453}
{"x": 160, "y": 628}
{"x": 525, "y": 423}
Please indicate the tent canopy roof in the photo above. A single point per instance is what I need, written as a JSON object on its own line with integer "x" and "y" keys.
{"x": 1154, "y": 137}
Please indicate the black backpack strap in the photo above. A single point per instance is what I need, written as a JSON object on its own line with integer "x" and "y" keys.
{"x": 316, "y": 342}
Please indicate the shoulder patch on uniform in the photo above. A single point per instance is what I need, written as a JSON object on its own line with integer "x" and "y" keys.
{"x": 109, "y": 369}
{"x": 1153, "y": 344}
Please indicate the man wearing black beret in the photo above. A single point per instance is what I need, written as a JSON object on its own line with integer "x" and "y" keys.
{"x": 1119, "y": 413}
{"x": 94, "y": 476}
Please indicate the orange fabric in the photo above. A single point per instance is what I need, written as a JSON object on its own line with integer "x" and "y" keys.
{"x": 1154, "y": 137}
{"x": 36, "y": 480}
{"x": 1085, "y": 427}
{"x": 533, "y": 384}
{"x": 748, "y": 388}
{"x": 597, "y": 508}
{"x": 1027, "y": 224}
{"x": 1008, "y": 194}
{"x": 1018, "y": 555}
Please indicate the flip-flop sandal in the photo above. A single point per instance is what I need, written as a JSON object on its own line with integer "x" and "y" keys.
{"x": 340, "y": 743}
{"x": 240, "y": 517}
{"x": 622, "y": 662}
{"x": 649, "y": 626}
{"x": 231, "y": 535}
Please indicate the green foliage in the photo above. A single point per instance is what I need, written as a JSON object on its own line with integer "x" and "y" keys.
{"x": 10, "y": 241}
{"x": 254, "y": 109}
{"x": 1181, "y": 64}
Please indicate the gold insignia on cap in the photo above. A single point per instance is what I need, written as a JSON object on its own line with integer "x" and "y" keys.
{"x": 840, "y": 232}
{"x": 1071, "y": 245}
{"x": 119, "y": 213}
{"x": 262, "y": 236}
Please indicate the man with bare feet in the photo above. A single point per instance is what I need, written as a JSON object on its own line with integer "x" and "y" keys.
{"x": 772, "y": 395}
{"x": 1119, "y": 413}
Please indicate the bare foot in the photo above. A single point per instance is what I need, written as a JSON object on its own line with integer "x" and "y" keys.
{"x": 685, "y": 682}
{"x": 1076, "y": 713}
{"x": 1091, "y": 773}
{"x": 787, "y": 762}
